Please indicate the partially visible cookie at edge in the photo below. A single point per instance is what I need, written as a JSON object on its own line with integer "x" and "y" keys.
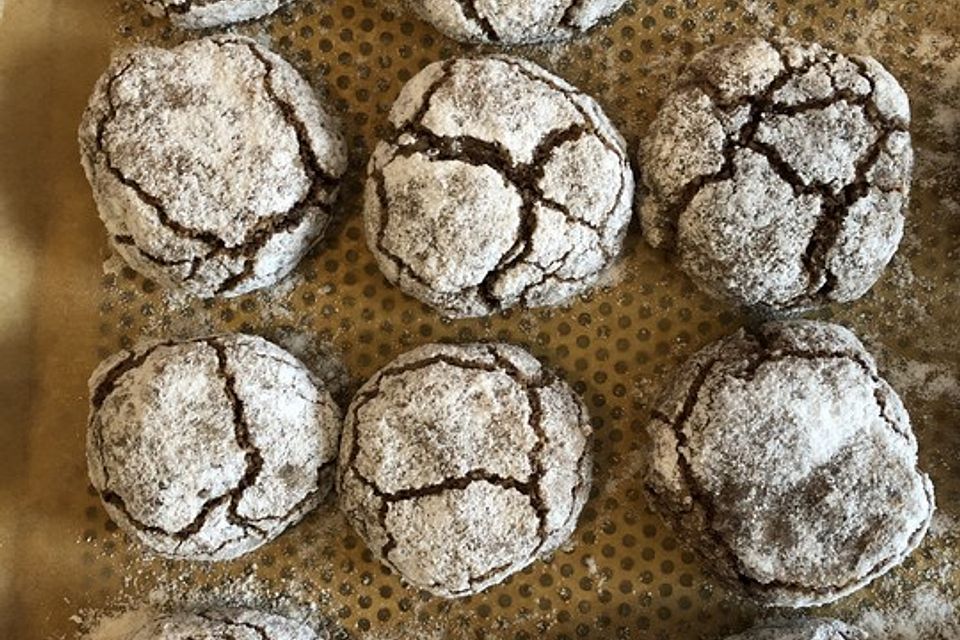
{"x": 512, "y": 22}
{"x": 499, "y": 186}
{"x": 217, "y": 623}
{"x": 778, "y": 173}
{"x": 214, "y": 165}
{"x": 804, "y": 629}
{"x": 783, "y": 458}
{"x": 207, "y": 449}
{"x": 205, "y": 14}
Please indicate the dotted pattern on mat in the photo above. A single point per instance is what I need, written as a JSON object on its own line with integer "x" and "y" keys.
{"x": 623, "y": 575}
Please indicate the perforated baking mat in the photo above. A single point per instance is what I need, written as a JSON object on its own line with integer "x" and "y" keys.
{"x": 623, "y": 574}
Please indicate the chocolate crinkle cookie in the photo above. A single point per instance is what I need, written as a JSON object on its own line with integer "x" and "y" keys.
{"x": 789, "y": 464}
{"x": 513, "y": 21}
{"x": 461, "y": 464}
{"x": 808, "y": 629}
{"x": 203, "y": 14}
{"x": 500, "y": 186}
{"x": 778, "y": 173}
{"x": 209, "y": 448}
{"x": 213, "y": 164}
{"x": 222, "y": 624}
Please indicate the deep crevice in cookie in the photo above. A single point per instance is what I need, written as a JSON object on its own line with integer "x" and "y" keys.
{"x": 321, "y": 190}
{"x": 569, "y": 15}
{"x": 260, "y": 631}
{"x": 573, "y": 96}
{"x": 459, "y": 483}
{"x": 110, "y": 379}
{"x": 194, "y": 262}
{"x": 252, "y": 455}
{"x": 834, "y": 205}
{"x": 380, "y": 185}
{"x": 532, "y": 390}
{"x": 472, "y": 13}
{"x": 322, "y": 183}
{"x": 321, "y": 485}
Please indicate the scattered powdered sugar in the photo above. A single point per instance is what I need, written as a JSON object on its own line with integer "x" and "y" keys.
{"x": 926, "y": 380}
{"x": 624, "y": 472}
{"x": 944, "y": 525}
{"x": 925, "y": 613}
{"x": 921, "y": 606}
{"x": 179, "y": 591}
{"x": 321, "y": 357}
{"x": 119, "y": 626}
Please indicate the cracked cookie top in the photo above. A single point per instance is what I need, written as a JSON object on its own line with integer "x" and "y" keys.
{"x": 513, "y": 21}
{"x": 213, "y": 164}
{"x": 204, "y": 14}
{"x": 807, "y": 629}
{"x": 461, "y": 464}
{"x": 209, "y": 448}
{"x": 778, "y": 173}
{"x": 500, "y": 186}
{"x": 789, "y": 463}
{"x": 221, "y": 624}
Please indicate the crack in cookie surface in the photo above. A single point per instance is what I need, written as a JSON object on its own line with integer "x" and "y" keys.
{"x": 259, "y": 630}
{"x": 472, "y": 13}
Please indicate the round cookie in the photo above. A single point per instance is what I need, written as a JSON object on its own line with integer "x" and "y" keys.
{"x": 213, "y": 164}
{"x": 221, "y": 624}
{"x": 784, "y": 459}
{"x": 808, "y": 629}
{"x": 513, "y": 21}
{"x": 500, "y": 186}
{"x": 203, "y": 14}
{"x": 778, "y": 173}
{"x": 461, "y": 464}
{"x": 209, "y": 448}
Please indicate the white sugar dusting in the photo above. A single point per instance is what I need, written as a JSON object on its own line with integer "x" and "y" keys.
{"x": 927, "y": 613}
{"x": 177, "y": 590}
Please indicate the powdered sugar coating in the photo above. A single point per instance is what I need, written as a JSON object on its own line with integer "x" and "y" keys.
{"x": 501, "y": 186}
{"x": 209, "y": 448}
{"x": 514, "y": 21}
{"x": 779, "y": 173}
{"x": 808, "y": 629}
{"x": 204, "y": 14}
{"x": 213, "y": 164}
{"x": 220, "y": 624}
{"x": 461, "y": 464}
{"x": 789, "y": 464}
